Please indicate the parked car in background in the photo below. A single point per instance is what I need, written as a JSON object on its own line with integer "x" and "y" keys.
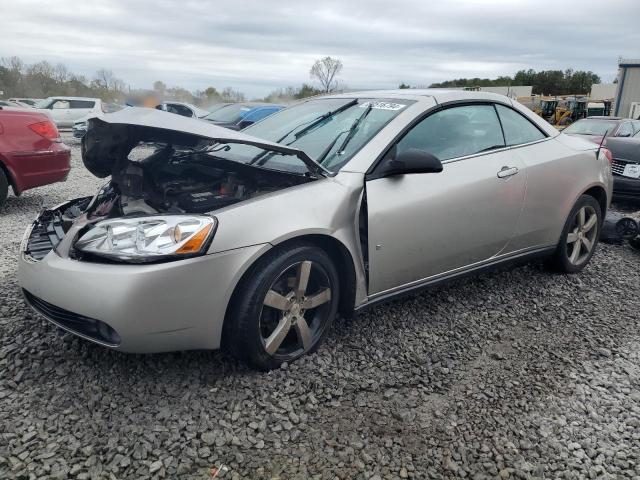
{"x": 31, "y": 151}
{"x": 183, "y": 108}
{"x": 179, "y": 108}
{"x": 595, "y": 128}
{"x": 237, "y": 116}
{"x": 255, "y": 240}
{"x": 9, "y": 103}
{"x": 29, "y": 102}
{"x": 65, "y": 111}
{"x": 625, "y": 166}
{"x": 80, "y": 127}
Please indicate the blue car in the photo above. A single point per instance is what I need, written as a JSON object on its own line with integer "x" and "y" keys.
{"x": 237, "y": 116}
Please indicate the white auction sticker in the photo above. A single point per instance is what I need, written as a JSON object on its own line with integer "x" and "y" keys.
{"x": 383, "y": 105}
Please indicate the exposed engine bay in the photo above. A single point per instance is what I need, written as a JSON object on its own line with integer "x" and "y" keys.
{"x": 178, "y": 171}
{"x": 170, "y": 181}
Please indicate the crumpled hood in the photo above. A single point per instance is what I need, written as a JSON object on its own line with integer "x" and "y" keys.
{"x": 112, "y": 136}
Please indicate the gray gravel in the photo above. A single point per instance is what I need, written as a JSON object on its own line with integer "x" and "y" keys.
{"x": 515, "y": 374}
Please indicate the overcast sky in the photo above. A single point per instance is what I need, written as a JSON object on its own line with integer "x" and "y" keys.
{"x": 256, "y": 46}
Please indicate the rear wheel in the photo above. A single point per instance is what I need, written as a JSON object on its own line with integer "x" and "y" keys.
{"x": 284, "y": 309}
{"x": 580, "y": 236}
{"x": 4, "y": 187}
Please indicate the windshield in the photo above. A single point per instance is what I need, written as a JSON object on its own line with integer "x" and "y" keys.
{"x": 331, "y": 140}
{"x": 590, "y": 127}
{"x": 230, "y": 113}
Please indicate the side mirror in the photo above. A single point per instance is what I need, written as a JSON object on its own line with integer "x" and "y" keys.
{"x": 410, "y": 161}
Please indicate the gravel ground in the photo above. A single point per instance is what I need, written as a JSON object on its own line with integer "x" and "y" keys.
{"x": 514, "y": 374}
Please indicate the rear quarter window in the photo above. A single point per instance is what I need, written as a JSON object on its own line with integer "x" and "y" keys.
{"x": 517, "y": 129}
{"x": 81, "y": 104}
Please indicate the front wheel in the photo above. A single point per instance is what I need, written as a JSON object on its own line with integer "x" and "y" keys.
{"x": 579, "y": 236}
{"x": 284, "y": 308}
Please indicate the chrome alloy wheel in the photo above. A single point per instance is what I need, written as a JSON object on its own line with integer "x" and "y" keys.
{"x": 581, "y": 238}
{"x": 297, "y": 309}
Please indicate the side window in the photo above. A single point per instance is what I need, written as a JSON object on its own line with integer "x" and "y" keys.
{"x": 456, "y": 132}
{"x": 517, "y": 129}
{"x": 81, "y": 104}
{"x": 59, "y": 104}
{"x": 625, "y": 130}
{"x": 179, "y": 109}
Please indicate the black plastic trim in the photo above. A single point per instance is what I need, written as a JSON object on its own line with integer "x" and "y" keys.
{"x": 89, "y": 328}
{"x": 434, "y": 282}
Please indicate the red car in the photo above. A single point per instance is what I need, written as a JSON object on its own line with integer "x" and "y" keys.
{"x": 31, "y": 152}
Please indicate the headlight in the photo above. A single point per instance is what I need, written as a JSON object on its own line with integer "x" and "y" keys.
{"x": 147, "y": 239}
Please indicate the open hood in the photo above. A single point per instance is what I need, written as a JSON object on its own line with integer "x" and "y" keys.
{"x": 111, "y": 137}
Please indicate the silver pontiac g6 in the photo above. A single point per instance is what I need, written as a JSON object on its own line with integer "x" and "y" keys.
{"x": 254, "y": 241}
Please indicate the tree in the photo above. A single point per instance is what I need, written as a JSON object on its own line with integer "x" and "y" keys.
{"x": 325, "y": 71}
{"x": 404, "y": 86}
{"x": 160, "y": 87}
{"x": 231, "y": 95}
{"x": 212, "y": 95}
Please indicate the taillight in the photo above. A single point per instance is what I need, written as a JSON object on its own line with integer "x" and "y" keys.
{"x": 607, "y": 153}
{"x": 47, "y": 130}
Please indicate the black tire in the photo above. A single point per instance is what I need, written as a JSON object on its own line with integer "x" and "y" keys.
{"x": 565, "y": 259}
{"x": 4, "y": 188}
{"x": 252, "y": 324}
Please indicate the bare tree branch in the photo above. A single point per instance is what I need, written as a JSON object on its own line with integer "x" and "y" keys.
{"x": 325, "y": 71}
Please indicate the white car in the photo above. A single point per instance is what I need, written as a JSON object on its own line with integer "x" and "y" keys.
{"x": 65, "y": 111}
{"x": 183, "y": 108}
{"x": 26, "y": 102}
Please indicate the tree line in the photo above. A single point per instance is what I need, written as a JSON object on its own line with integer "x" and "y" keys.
{"x": 43, "y": 79}
{"x": 545, "y": 82}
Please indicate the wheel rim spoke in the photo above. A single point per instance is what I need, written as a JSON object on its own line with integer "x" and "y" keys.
{"x": 302, "y": 279}
{"x": 590, "y": 223}
{"x": 277, "y": 336}
{"x": 575, "y": 253}
{"x": 572, "y": 237}
{"x": 581, "y": 217}
{"x": 304, "y": 334}
{"x": 274, "y": 300}
{"x": 587, "y": 244}
{"x": 318, "y": 299}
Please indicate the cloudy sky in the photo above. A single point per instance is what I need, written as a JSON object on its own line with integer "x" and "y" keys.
{"x": 256, "y": 46}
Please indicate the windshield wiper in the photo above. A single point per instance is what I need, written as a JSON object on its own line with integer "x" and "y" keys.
{"x": 322, "y": 118}
{"x": 263, "y": 157}
{"x": 350, "y": 134}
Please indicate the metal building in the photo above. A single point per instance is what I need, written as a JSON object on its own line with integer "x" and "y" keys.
{"x": 627, "y": 101}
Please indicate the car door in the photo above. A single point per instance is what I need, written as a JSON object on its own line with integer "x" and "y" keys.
{"x": 425, "y": 225}
{"x": 60, "y": 112}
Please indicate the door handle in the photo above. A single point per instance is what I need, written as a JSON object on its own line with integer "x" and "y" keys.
{"x": 507, "y": 172}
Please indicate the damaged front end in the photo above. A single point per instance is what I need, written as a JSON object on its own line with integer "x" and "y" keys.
{"x": 167, "y": 180}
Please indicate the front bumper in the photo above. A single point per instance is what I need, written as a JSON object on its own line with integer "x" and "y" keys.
{"x": 625, "y": 188}
{"x": 160, "y": 307}
{"x": 79, "y": 131}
